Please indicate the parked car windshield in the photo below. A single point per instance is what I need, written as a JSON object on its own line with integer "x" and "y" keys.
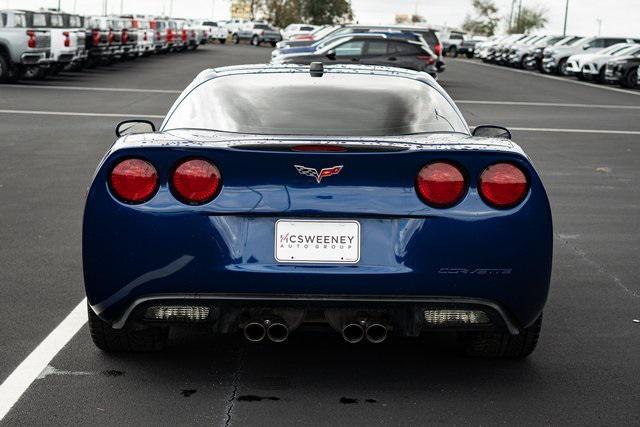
{"x": 297, "y": 104}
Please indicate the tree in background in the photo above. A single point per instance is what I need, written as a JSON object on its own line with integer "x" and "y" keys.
{"x": 528, "y": 19}
{"x": 283, "y": 12}
{"x": 486, "y": 18}
{"x": 323, "y": 12}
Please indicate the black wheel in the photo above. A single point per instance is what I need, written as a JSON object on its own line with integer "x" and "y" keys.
{"x": 631, "y": 79}
{"x": 274, "y": 44}
{"x": 580, "y": 75}
{"x": 235, "y": 39}
{"x": 255, "y": 41}
{"x": 470, "y": 55}
{"x": 497, "y": 345}
{"x": 8, "y": 73}
{"x": 127, "y": 339}
{"x": 222, "y": 41}
{"x": 602, "y": 78}
{"x": 452, "y": 52}
{"x": 562, "y": 67}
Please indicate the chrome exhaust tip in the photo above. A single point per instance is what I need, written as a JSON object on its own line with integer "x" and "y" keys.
{"x": 254, "y": 331}
{"x": 278, "y": 332}
{"x": 376, "y": 333}
{"x": 353, "y": 333}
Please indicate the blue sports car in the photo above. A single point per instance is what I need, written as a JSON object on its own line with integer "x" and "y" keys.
{"x": 350, "y": 196}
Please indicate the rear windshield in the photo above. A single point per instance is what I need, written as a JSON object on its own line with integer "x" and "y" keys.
{"x": 332, "y": 105}
{"x": 261, "y": 27}
{"x": 75, "y": 21}
{"x": 56, "y": 21}
{"x": 38, "y": 20}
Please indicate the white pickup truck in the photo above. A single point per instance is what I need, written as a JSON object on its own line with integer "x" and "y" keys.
{"x": 22, "y": 46}
{"x": 65, "y": 41}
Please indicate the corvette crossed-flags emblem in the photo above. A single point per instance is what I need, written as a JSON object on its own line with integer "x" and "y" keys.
{"x": 318, "y": 175}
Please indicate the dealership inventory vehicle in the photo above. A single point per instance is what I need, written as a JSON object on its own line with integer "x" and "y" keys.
{"x": 293, "y": 30}
{"x": 468, "y": 46}
{"x": 22, "y": 46}
{"x": 520, "y": 53}
{"x": 404, "y": 50}
{"x": 593, "y": 65}
{"x": 161, "y": 32}
{"x": 623, "y": 70}
{"x": 214, "y": 31}
{"x": 256, "y": 34}
{"x": 351, "y": 196}
{"x": 66, "y": 42}
{"x": 141, "y": 34}
{"x": 555, "y": 58}
{"x": 452, "y": 41}
{"x": 533, "y": 59}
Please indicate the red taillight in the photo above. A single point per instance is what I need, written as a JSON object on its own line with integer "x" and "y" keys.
{"x": 134, "y": 180}
{"x": 96, "y": 37}
{"x": 196, "y": 181}
{"x": 110, "y": 37}
{"x": 184, "y": 35}
{"x": 158, "y": 35}
{"x": 125, "y": 36}
{"x": 319, "y": 148}
{"x": 193, "y": 34}
{"x": 503, "y": 185}
{"x": 427, "y": 58}
{"x": 145, "y": 38}
{"x": 135, "y": 24}
{"x": 437, "y": 49}
{"x": 67, "y": 39}
{"x": 169, "y": 35}
{"x": 440, "y": 184}
{"x": 32, "y": 39}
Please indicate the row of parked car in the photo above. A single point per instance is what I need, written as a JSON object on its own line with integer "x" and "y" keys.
{"x": 35, "y": 44}
{"x": 412, "y": 47}
{"x": 600, "y": 59}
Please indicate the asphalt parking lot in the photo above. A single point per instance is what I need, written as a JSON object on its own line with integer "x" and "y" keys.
{"x": 584, "y": 140}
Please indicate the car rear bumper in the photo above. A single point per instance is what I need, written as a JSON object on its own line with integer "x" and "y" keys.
{"x": 35, "y": 58}
{"x": 406, "y": 316}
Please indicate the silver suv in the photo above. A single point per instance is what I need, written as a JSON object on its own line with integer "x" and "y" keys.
{"x": 555, "y": 58}
{"x": 22, "y": 47}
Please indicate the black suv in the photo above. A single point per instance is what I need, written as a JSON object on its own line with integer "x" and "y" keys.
{"x": 387, "y": 49}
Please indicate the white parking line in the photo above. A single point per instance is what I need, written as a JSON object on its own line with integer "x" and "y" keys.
{"x": 96, "y": 89}
{"x": 546, "y": 76}
{"x": 71, "y": 113}
{"x": 21, "y": 378}
{"x": 549, "y": 104}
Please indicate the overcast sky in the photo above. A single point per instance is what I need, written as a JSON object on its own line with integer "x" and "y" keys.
{"x": 619, "y": 17}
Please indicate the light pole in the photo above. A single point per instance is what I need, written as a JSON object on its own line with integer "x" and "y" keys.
{"x": 566, "y": 14}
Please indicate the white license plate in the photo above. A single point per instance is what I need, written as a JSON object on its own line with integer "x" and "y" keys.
{"x": 317, "y": 241}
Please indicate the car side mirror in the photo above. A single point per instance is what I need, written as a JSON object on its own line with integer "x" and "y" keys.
{"x": 490, "y": 131}
{"x": 331, "y": 55}
{"x": 130, "y": 127}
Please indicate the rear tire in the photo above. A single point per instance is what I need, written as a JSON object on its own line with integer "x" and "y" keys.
{"x": 562, "y": 67}
{"x": 235, "y": 39}
{"x": 8, "y": 73}
{"x": 452, "y": 52}
{"x": 255, "y": 41}
{"x": 126, "y": 339}
{"x": 631, "y": 79}
{"x": 502, "y": 345}
{"x": 222, "y": 41}
{"x": 602, "y": 78}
